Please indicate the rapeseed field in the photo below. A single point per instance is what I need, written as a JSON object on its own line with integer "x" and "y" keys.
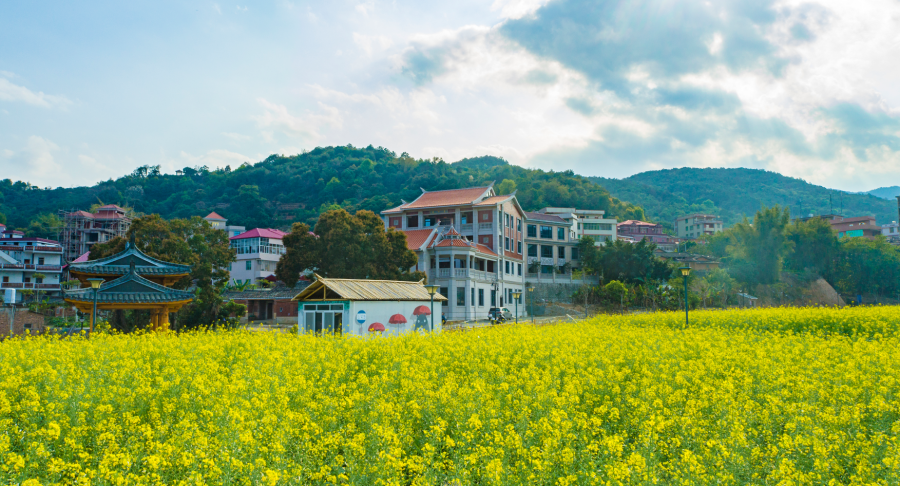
{"x": 775, "y": 396}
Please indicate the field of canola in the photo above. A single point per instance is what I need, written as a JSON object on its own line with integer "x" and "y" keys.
{"x": 742, "y": 397}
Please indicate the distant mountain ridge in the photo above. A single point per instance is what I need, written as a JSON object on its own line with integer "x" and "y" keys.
{"x": 734, "y": 193}
{"x": 885, "y": 192}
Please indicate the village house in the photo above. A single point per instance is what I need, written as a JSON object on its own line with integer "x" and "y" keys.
{"x": 258, "y": 252}
{"x": 470, "y": 242}
{"x": 639, "y": 230}
{"x": 21, "y": 259}
{"x": 81, "y": 230}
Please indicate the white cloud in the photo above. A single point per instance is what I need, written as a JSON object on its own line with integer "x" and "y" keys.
{"x": 365, "y": 8}
{"x": 35, "y": 162}
{"x": 514, "y": 9}
{"x": 372, "y": 43}
{"x": 276, "y": 118}
{"x": 13, "y": 92}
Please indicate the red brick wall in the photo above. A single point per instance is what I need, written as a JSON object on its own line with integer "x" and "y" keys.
{"x": 483, "y": 219}
{"x": 24, "y": 320}
{"x": 395, "y": 222}
{"x": 513, "y": 233}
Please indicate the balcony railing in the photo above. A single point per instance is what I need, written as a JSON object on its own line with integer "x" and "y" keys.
{"x": 485, "y": 226}
{"x": 465, "y": 228}
{"x": 31, "y": 248}
{"x": 28, "y": 285}
{"x": 22, "y": 266}
{"x": 459, "y": 273}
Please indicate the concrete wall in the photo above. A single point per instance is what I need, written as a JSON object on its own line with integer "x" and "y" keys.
{"x": 380, "y": 312}
{"x": 24, "y": 320}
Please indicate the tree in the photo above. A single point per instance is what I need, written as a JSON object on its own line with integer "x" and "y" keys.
{"x": 868, "y": 267}
{"x": 506, "y": 187}
{"x": 346, "y": 246}
{"x": 2, "y": 218}
{"x": 758, "y": 252}
{"x": 191, "y": 242}
{"x": 44, "y": 226}
{"x": 721, "y": 284}
{"x": 815, "y": 248}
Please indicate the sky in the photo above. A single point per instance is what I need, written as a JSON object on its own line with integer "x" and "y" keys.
{"x": 810, "y": 89}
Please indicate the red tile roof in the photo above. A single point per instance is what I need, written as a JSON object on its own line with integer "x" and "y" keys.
{"x": 451, "y": 197}
{"x": 214, "y": 216}
{"x": 110, "y": 207}
{"x": 416, "y": 238}
{"x": 260, "y": 233}
{"x": 395, "y": 210}
{"x": 83, "y": 214}
{"x": 454, "y": 242}
{"x": 82, "y": 258}
{"x": 485, "y": 249}
{"x": 489, "y": 201}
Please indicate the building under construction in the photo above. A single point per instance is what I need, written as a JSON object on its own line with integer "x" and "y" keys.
{"x": 81, "y": 229}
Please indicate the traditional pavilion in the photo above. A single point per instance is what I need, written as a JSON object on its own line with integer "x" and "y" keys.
{"x": 132, "y": 280}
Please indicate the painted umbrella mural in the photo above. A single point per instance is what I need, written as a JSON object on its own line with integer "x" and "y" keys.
{"x": 422, "y": 312}
{"x": 376, "y": 327}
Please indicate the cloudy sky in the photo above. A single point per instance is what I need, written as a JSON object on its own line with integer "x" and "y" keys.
{"x": 810, "y": 89}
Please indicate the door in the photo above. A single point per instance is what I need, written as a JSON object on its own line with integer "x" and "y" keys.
{"x": 323, "y": 318}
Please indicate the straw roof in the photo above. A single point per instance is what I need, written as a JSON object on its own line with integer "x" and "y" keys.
{"x": 370, "y": 290}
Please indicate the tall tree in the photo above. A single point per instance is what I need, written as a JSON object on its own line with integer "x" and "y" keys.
{"x": 758, "y": 252}
{"x": 815, "y": 248}
{"x": 347, "y": 246}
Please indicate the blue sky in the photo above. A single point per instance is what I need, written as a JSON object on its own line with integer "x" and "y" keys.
{"x": 607, "y": 88}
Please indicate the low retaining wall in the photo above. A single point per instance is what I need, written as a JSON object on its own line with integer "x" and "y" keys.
{"x": 25, "y": 320}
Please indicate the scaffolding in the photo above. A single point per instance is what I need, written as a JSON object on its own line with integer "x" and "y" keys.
{"x": 81, "y": 229}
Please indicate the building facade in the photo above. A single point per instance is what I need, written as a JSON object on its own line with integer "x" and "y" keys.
{"x": 587, "y": 222}
{"x": 696, "y": 225}
{"x": 33, "y": 264}
{"x": 220, "y": 223}
{"x": 863, "y": 226}
{"x": 258, "y": 252}
{"x": 81, "y": 230}
{"x": 551, "y": 248}
{"x": 471, "y": 243}
{"x": 891, "y": 231}
{"x": 640, "y": 230}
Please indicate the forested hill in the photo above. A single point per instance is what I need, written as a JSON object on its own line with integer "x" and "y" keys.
{"x": 280, "y": 190}
{"x": 733, "y": 193}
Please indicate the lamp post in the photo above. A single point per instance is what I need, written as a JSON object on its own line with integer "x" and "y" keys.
{"x": 530, "y": 289}
{"x": 432, "y": 289}
{"x": 95, "y": 284}
{"x": 516, "y": 296}
{"x": 685, "y": 271}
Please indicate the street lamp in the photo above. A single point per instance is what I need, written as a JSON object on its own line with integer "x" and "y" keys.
{"x": 432, "y": 289}
{"x": 530, "y": 289}
{"x": 685, "y": 271}
{"x": 516, "y": 296}
{"x": 95, "y": 284}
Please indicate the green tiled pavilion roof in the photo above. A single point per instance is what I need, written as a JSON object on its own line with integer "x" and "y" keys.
{"x": 129, "y": 289}
{"x": 119, "y": 264}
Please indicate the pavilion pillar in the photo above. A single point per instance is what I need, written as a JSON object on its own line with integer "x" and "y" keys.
{"x": 164, "y": 319}
{"x": 154, "y": 319}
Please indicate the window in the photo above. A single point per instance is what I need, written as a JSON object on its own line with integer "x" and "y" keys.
{"x": 472, "y": 299}
{"x": 249, "y": 264}
{"x": 518, "y": 225}
{"x": 597, "y": 226}
{"x": 446, "y": 293}
{"x": 506, "y": 243}
{"x": 561, "y": 234}
{"x": 39, "y": 280}
{"x": 546, "y": 251}
{"x": 465, "y": 218}
{"x": 5, "y": 279}
{"x": 493, "y": 298}
{"x": 480, "y": 297}
{"x": 574, "y": 253}
{"x": 412, "y": 221}
{"x": 532, "y": 250}
{"x": 40, "y": 260}
{"x": 547, "y": 232}
{"x": 520, "y": 269}
{"x": 532, "y": 231}
{"x": 484, "y": 216}
{"x": 27, "y": 279}
{"x": 461, "y": 296}
{"x": 560, "y": 252}
{"x": 547, "y": 269}
{"x": 519, "y": 248}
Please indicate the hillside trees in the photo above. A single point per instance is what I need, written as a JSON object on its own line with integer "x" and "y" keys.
{"x": 758, "y": 252}
{"x": 347, "y": 246}
{"x": 623, "y": 261}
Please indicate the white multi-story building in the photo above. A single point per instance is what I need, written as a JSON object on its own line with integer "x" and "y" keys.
{"x": 586, "y": 222}
{"x": 218, "y": 222}
{"x": 21, "y": 259}
{"x": 697, "y": 225}
{"x": 891, "y": 231}
{"x": 258, "y": 252}
{"x": 470, "y": 242}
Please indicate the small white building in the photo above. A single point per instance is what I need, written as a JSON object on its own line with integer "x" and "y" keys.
{"x": 28, "y": 263}
{"x": 367, "y": 307}
{"x": 258, "y": 252}
{"x": 586, "y": 222}
{"x": 220, "y": 223}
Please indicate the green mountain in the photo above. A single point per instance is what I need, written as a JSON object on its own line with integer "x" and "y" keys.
{"x": 281, "y": 190}
{"x": 734, "y": 193}
{"x": 886, "y": 192}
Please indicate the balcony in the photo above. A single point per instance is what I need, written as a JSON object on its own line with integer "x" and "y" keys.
{"x": 29, "y": 285}
{"x": 485, "y": 227}
{"x": 465, "y": 228}
{"x": 459, "y": 273}
{"x": 31, "y": 248}
{"x": 39, "y": 268}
